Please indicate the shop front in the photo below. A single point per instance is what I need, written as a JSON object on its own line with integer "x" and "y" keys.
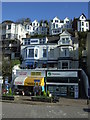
{"x": 30, "y": 81}
{"x": 63, "y": 83}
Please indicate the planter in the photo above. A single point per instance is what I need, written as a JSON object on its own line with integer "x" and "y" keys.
{"x": 7, "y": 97}
{"x": 41, "y": 99}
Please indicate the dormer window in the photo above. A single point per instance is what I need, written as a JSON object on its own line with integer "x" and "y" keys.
{"x": 56, "y": 21}
{"x": 63, "y": 40}
{"x": 33, "y": 24}
{"x": 82, "y": 17}
{"x": 67, "y": 40}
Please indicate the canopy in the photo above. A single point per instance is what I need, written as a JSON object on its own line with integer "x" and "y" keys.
{"x": 34, "y": 81}
{"x": 29, "y": 81}
{"x": 19, "y": 80}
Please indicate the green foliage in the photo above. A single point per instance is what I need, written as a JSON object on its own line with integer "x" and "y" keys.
{"x": 10, "y": 91}
{"x": 44, "y": 93}
{"x": 48, "y": 93}
{"x": 15, "y": 62}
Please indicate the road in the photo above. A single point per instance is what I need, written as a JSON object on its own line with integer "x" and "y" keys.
{"x": 14, "y": 110}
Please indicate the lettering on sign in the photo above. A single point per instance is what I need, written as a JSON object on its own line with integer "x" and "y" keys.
{"x": 18, "y": 83}
{"x": 35, "y": 73}
{"x": 22, "y": 73}
{"x": 62, "y": 74}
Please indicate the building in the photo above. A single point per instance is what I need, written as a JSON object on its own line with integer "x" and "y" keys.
{"x": 36, "y": 28}
{"x": 81, "y": 23}
{"x": 38, "y": 52}
{"x": 11, "y": 30}
{"x": 54, "y": 62}
{"x": 56, "y": 25}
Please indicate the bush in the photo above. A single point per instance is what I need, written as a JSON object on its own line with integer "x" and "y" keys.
{"x": 44, "y": 93}
{"x": 10, "y": 91}
{"x": 48, "y": 93}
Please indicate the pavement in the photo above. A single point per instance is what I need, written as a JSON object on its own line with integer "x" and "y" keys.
{"x": 62, "y": 101}
{"x": 23, "y": 107}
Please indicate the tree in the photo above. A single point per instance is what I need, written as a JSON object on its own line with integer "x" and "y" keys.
{"x": 22, "y": 20}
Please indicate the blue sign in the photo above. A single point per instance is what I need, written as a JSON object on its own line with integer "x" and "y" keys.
{"x": 36, "y": 80}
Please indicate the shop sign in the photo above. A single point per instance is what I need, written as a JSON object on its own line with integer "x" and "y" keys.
{"x": 62, "y": 74}
{"x": 35, "y": 73}
{"x": 18, "y": 83}
{"x": 30, "y": 73}
{"x": 36, "y": 80}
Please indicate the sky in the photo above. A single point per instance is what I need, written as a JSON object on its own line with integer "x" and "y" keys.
{"x": 43, "y": 10}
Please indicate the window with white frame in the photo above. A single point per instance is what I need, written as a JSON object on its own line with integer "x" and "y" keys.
{"x": 82, "y": 23}
{"x": 44, "y": 52}
{"x": 86, "y": 24}
{"x": 56, "y": 25}
{"x": 31, "y": 53}
{"x": 28, "y": 41}
{"x": 63, "y": 40}
{"x": 36, "y": 52}
{"x": 9, "y": 27}
{"x": 67, "y": 40}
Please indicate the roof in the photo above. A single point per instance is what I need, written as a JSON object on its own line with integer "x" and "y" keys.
{"x": 65, "y": 33}
{"x": 7, "y": 21}
{"x": 83, "y": 15}
{"x": 53, "y": 39}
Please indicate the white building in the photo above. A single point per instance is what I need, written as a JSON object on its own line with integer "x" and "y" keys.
{"x": 38, "y": 52}
{"x": 11, "y": 30}
{"x": 35, "y": 28}
{"x": 56, "y": 25}
{"x": 81, "y": 23}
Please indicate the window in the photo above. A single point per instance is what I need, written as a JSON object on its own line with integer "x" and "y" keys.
{"x": 44, "y": 53}
{"x": 51, "y": 52}
{"x": 67, "y": 40}
{"x": 63, "y": 40}
{"x": 37, "y": 24}
{"x": 56, "y": 21}
{"x": 25, "y": 42}
{"x": 82, "y": 23}
{"x": 44, "y": 40}
{"x": 9, "y": 27}
{"x": 56, "y": 25}
{"x": 82, "y": 29}
{"x": 9, "y": 36}
{"x": 28, "y": 27}
{"x": 67, "y": 21}
{"x": 33, "y": 28}
{"x": 53, "y": 25}
{"x": 36, "y": 52}
{"x": 86, "y": 24}
{"x": 82, "y": 17}
{"x": 29, "y": 42}
{"x": 64, "y": 65}
{"x": 31, "y": 53}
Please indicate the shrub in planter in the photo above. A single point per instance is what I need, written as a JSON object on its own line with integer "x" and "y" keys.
{"x": 44, "y": 93}
{"x": 48, "y": 93}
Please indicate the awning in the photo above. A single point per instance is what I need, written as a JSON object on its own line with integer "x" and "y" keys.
{"x": 19, "y": 80}
{"x": 29, "y": 81}
{"x": 32, "y": 81}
